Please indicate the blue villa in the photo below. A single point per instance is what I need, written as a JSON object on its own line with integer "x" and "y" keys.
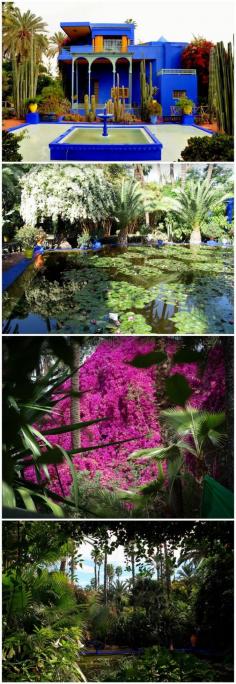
{"x": 93, "y": 55}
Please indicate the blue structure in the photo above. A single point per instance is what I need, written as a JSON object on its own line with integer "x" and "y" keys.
{"x": 230, "y": 209}
{"x": 93, "y": 55}
{"x": 62, "y": 149}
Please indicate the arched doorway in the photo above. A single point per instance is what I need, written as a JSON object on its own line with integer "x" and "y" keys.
{"x": 124, "y": 69}
{"x": 102, "y": 79}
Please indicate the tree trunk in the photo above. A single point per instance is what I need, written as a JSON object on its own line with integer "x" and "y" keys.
{"x": 123, "y": 236}
{"x": 159, "y": 173}
{"x": 183, "y": 174}
{"x": 209, "y": 172}
{"x": 105, "y": 578}
{"x": 167, "y": 573}
{"x": 195, "y": 237}
{"x": 99, "y": 567}
{"x": 75, "y": 401}
{"x": 63, "y": 565}
{"x": 133, "y": 567}
{"x": 95, "y": 576}
{"x": 172, "y": 174}
{"x": 228, "y": 350}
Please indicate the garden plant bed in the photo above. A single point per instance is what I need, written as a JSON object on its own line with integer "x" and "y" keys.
{"x": 173, "y": 289}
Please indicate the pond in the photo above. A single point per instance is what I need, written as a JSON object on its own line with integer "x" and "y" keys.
{"x": 175, "y": 289}
{"x": 34, "y": 147}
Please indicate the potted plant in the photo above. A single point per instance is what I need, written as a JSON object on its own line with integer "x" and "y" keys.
{"x": 185, "y": 105}
{"x": 32, "y": 104}
{"x": 154, "y": 110}
{"x": 27, "y": 238}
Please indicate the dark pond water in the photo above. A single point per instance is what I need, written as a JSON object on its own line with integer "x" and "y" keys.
{"x": 175, "y": 289}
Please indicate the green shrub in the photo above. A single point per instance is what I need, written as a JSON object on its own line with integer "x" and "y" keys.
{"x": 27, "y": 236}
{"x": 8, "y": 113}
{"x": 46, "y": 655}
{"x": 217, "y": 147}
{"x": 52, "y": 99}
{"x": 10, "y": 147}
{"x": 161, "y": 665}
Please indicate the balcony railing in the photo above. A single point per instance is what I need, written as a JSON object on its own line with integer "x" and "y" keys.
{"x": 177, "y": 71}
{"x": 90, "y": 49}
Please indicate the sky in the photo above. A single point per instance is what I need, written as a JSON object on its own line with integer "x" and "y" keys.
{"x": 173, "y": 19}
{"x": 86, "y": 573}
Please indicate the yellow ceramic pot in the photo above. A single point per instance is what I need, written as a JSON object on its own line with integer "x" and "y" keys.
{"x": 33, "y": 107}
{"x": 188, "y": 110}
{"x": 28, "y": 252}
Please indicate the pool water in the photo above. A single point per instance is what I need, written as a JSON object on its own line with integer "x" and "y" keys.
{"x": 175, "y": 289}
{"x": 116, "y": 136}
{"x": 34, "y": 147}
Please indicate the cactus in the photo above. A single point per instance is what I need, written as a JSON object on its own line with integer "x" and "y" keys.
{"x": 93, "y": 105}
{"x": 90, "y": 113}
{"x": 221, "y": 87}
{"x": 110, "y": 107}
{"x": 86, "y": 105}
{"x": 119, "y": 105}
{"x": 147, "y": 90}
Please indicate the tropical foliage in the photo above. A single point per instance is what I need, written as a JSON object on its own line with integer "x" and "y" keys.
{"x": 53, "y": 622}
{"x": 24, "y": 42}
{"x": 117, "y": 401}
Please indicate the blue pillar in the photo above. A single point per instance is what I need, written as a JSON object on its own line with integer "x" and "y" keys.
{"x": 230, "y": 209}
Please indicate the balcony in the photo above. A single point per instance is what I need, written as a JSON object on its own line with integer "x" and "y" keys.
{"x": 109, "y": 47}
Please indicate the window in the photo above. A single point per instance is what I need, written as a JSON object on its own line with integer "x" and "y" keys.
{"x": 178, "y": 93}
{"x": 112, "y": 44}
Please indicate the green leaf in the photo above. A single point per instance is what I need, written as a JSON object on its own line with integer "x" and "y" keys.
{"x": 147, "y": 360}
{"x": 27, "y": 498}
{"x": 159, "y": 453}
{"x": 29, "y": 442}
{"x": 174, "y": 467}
{"x": 53, "y": 456}
{"x": 8, "y": 496}
{"x": 71, "y": 427}
{"x": 187, "y": 356}
{"x": 57, "y": 510}
{"x": 178, "y": 389}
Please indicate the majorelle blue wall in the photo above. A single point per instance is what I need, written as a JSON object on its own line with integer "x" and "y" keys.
{"x": 162, "y": 55}
{"x": 172, "y": 86}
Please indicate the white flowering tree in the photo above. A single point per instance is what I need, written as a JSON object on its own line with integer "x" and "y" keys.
{"x": 75, "y": 194}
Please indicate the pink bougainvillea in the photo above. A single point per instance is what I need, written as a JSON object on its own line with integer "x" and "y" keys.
{"x": 127, "y": 398}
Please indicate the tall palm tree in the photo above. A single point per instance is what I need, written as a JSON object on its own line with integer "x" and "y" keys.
{"x": 119, "y": 571}
{"x": 105, "y": 578}
{"x": 100, "y": 559}
{"x": 128, "y": 206}
{"x": 94, "y": 554}
{"x": 24, "y": 42}
{"x": 110, "y": 574}
{"x": 192, "y": 204}
{"x": 97, "y": 557}
{"x": 56, "y": 43}
{"x": 130, "y": 552}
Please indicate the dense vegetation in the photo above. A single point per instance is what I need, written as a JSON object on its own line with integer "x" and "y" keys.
{"x": 70, "y": 201}
{"x": 146, "y": 420}
{"x": 50, "y": 619}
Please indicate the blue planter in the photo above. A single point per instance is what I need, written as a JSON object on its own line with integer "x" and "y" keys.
{"x": 32, "y": 118}
{"x": 153, "y": 118}
{"x": 187, "y": 119}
